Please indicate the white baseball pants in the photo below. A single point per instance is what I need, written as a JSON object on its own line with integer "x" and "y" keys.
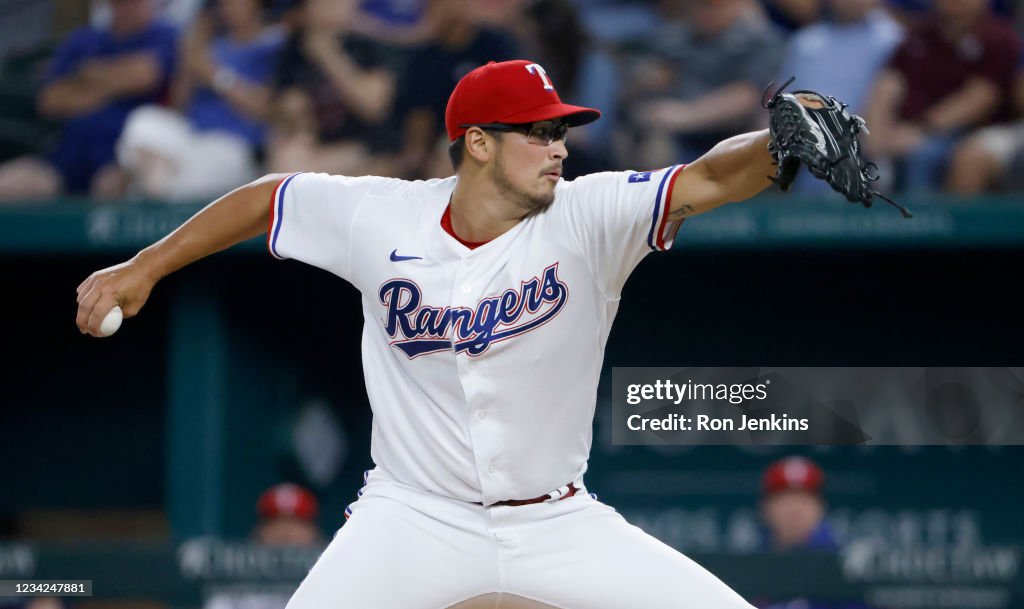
{"x": 404, "y": 548}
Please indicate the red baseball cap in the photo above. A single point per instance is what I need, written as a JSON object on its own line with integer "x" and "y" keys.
{"x": 510, "y": 92}
{"x": 287, "y": 500}
{"x": 792, "y": 473}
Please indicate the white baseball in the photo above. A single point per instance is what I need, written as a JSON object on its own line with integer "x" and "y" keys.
{"x": 111, "y": 322}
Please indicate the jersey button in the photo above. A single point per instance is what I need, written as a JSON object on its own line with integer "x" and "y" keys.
{"x": 481, "y": 415}
{"x": 469, "y": 262}
{"x": 466, "y": 288}
{"x": 492, "y": 468}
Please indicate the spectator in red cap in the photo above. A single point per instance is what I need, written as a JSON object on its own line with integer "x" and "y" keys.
{"x": 793, "y": 508}
{"x": 287, "y": 516}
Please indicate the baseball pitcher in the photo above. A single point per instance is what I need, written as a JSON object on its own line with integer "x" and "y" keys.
{"x": 488, "y": 298}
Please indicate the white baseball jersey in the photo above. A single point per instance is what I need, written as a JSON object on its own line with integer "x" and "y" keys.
{"x": 482, "y": 364}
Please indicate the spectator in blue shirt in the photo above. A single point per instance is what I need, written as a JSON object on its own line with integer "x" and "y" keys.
{"x": 842, "y": 56}
{"x": 97, "y": 77}
{"x": 224, "y": 90}
{"x": 793, "y": 508}
{"x": 225, "y": 81}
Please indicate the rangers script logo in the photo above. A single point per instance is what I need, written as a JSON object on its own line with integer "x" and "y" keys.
{"x": 422, "y": 329}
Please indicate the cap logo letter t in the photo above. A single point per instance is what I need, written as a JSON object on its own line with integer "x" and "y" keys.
{"x": 534, "y": 68}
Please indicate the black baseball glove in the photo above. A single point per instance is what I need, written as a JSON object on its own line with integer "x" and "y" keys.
{"x": 825, "y": 140}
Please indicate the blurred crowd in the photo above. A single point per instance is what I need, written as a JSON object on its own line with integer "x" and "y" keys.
{"x": 182, "y": 100}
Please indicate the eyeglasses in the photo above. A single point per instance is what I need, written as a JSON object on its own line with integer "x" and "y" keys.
{"x": 542, "y": 133}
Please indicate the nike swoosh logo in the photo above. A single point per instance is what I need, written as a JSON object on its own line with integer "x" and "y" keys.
{"x": 396, "y": 258}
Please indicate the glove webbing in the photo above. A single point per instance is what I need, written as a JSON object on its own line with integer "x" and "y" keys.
{"x": 789, "y": 165}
